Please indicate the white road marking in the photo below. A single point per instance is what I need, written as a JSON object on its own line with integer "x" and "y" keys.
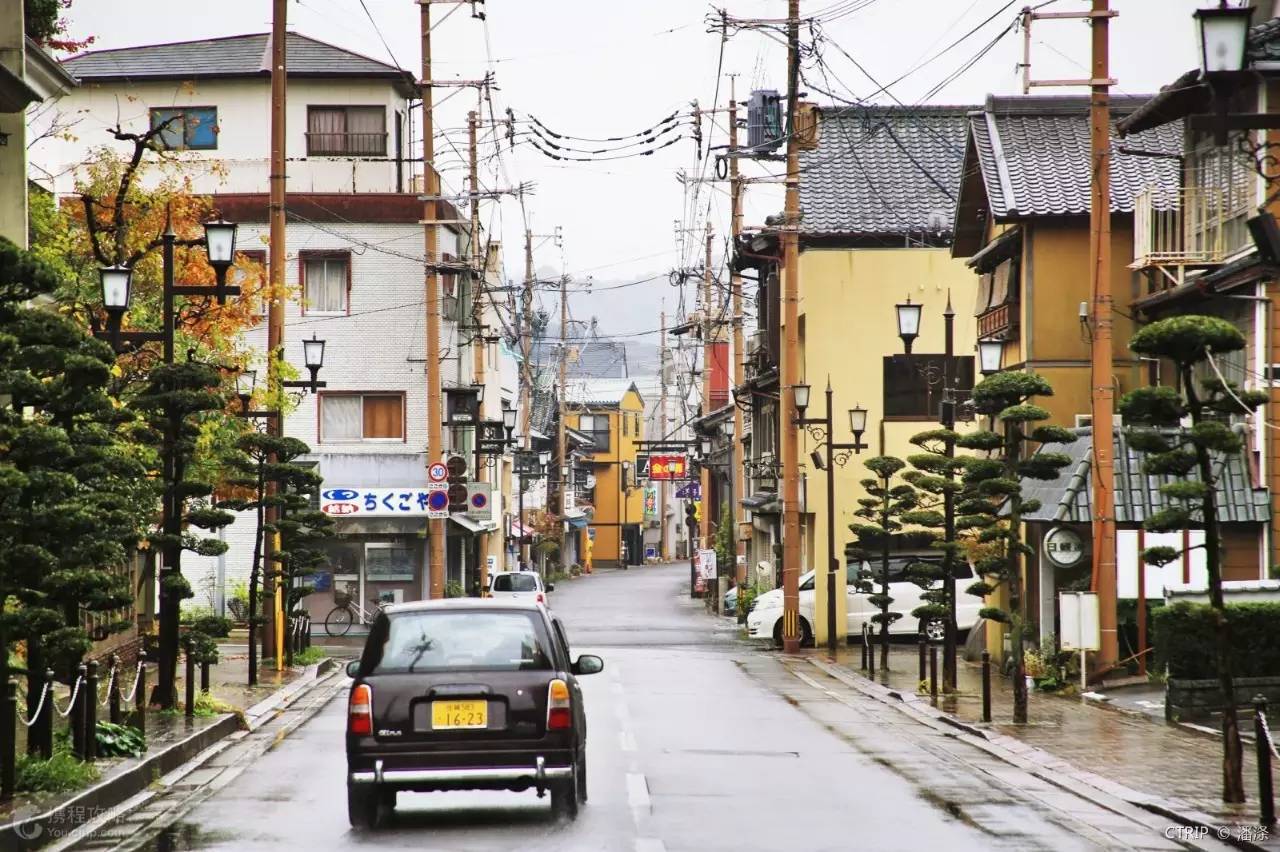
{"x": 650, "y": 844}
{"x": 627, "y": 741}
{"x": 638, "y": 794}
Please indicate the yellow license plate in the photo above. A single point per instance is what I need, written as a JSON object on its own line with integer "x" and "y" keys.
{"x": 459, "y": 714}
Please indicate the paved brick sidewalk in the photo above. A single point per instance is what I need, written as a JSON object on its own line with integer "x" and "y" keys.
{"x": 1178, "y": 769}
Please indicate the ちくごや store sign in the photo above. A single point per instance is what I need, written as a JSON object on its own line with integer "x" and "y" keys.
{"x": 378, "y": 502}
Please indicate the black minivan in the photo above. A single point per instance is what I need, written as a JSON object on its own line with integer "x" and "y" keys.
{"x": 466, "y": 694}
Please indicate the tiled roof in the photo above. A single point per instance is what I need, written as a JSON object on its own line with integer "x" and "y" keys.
{"x": 883, "y": 170}
{"x": 603, "y": 392}
{"x": 1033, "y": 154}
{"x": 1264, "y": 41}
{"x": 233, "y": 56}
{"x": 1067, "y": 498}
{"x": 593, "y": 359}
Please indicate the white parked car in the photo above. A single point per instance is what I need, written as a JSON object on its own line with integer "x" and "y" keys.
{"x": 765, "y": 619}
{"x": 520, "y": 586}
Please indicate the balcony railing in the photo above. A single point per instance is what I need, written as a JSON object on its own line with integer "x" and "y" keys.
{"x": 1188, "y": 226}
{"x": 346, "y": 144}
{"x": 1001, "y": 321}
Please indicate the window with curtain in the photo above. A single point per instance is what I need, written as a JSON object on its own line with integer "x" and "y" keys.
{"x": 324, "y": 286}
{"x": 187, "y": 128}
{"x": 346, "y": 130}
{"x": 347, "y": 417}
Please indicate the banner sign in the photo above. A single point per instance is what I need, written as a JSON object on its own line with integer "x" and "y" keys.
{"x": 660, "y": 468}
{"x": 376, "y": 502}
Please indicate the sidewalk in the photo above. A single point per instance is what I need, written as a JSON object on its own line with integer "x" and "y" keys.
{"x": 1177, "y": 769}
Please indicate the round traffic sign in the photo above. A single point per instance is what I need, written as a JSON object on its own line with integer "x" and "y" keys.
{"x": 437, "y": 500}
{"x": 479, "y": 500}
{"x": 457, "y": 467}
{"x": 437, "y": 472}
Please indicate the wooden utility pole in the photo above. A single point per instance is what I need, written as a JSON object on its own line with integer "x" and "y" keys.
{"x": 526, "y": 371}
{"x": 478, "y": 259}
{"x": 271, "y": 638}
{"x": 707, "y": 348}
{"x": 662, "y": 432}
{"x": 738, "y": 475}
{"x": 1104, "y": 519}
{"x": 430, "y": 218}
{"x": 562, "y": 458}
{"x": 791, "y": 349}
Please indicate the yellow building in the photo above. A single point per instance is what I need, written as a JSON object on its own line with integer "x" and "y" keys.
{"x": 611, "y": 412}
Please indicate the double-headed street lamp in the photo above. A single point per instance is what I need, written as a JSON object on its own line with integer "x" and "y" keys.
{"x": 117, "y": 290}
{"x": 821, "y": 429}
{"x": 246, "y": 380}
{"x": 529, "y": 465}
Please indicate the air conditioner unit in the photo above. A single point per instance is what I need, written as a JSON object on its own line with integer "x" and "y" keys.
{"x": 1085, "y": 421}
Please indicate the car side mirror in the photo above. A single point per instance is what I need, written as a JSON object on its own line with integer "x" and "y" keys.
{"x": 353, "y": 668}
{"x": 551, "y": 587}
{"x": 588, "y": 664}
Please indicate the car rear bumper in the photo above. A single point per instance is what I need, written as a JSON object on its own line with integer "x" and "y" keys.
{"x": 504, "y": 777}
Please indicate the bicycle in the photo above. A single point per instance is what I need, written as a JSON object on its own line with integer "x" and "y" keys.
{"x": 339, "y": 620}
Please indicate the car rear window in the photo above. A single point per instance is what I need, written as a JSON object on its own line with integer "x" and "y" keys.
{"x": 515, "y": 583}
{"x": 474, "y": 640}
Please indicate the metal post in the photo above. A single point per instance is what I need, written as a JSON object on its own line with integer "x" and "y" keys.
{"x": 91, "y": 712}
{"x": 77, "y": 712}
{"x": 871, "y": 657}
{"x": 933, "y": 671}
{"x": 204, "y": 675}
{"x": 113, "y": 691}
{"x": 948, "y": 499}
{"x": 864, "y": 647}
{"x": 986, "y": 686}
{"x": 832, "y": 564}
{"x": 924, "y": 648}
{"x": 8, "y": 754}
{"x": 45, "y": 725}
{"x": 191, "y": 682}
{"x": 140, "y": 695}
{"x": 1262, "y": 739}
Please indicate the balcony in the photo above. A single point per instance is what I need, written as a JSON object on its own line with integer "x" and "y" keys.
{"x": 1190, "y": 226}
{"x": 1000, "y": 321}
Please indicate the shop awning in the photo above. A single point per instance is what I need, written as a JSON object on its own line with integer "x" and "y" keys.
{"x": 578, "y": 523}
{"x": 379, "y": 526}
{"x": 764, "y": 502}
{"x": 471, "y": 525}
{"x": 520, "y": 531}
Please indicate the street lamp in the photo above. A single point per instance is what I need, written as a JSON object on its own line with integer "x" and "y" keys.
{"x": 990, "y": 356}
{"x": 245, "y": 382}
{"x": 220, "y": 246}
{"x": 822, "y": 429}
{"x": 908, "y": 322}
{"x": 117, "y": 281}
{"x": 509, "y": 419}
{"x": 313, "y": 357}
{"x": 1224, "y": 33}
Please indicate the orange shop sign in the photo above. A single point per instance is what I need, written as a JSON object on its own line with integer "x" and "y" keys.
{"x": 668, "y": 467}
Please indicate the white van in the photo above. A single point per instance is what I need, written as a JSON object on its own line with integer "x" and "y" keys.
{"x": 765, "y": 619}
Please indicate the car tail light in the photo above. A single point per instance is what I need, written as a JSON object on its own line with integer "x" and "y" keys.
{"x": 360, "y": 710}
{"x": 559, "y": 707}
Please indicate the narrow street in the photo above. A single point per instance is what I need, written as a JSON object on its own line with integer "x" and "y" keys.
{"x": 697, "y": 741}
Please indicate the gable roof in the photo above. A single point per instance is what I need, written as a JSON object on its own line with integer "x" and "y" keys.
{"x": 230, "y": 57}
{"x": 883, "y": 172}
{"x": 1066, "y": 499}
{"x": 1029, "y": 156}
{"x": 604, "y": 393}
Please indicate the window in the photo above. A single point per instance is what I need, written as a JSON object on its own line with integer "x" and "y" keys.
{"x": 326, "y": 283}
{"x": 346, "y": 417}
{"x": 597, "y": 426}
{"x": 913, "y": 384}
{"x": 346, "y": 130}
{"x": 515, "y": 583}
{"x": 187, "y": 128}
{"x": 441, "y": 641}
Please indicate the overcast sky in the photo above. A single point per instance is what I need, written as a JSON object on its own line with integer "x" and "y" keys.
{"x": 607, "y": 68}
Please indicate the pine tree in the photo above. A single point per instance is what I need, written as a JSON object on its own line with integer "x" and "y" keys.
{"x": 993, "y": 503}
{"x": 1191, "y": 342}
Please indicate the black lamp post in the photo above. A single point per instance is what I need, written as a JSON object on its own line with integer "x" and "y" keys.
{"x": 312, "y": 357}
{"x": 908, "y": 321}
{"x": 116, "y": 282}
{"x": 823, "y": 431}
{"x": 990, "y": 356}
{"x": 529, "y": 465}
{"x": 623, "y": 490}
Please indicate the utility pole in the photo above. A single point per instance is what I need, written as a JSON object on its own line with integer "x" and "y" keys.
{"x": 271, "y": 638}
{"x": 791, "y": 350}
{"x": 526, "y": 369}
{"x": 738, "y": 476}
{"x": 662, "y": 432}
{"x": 705, "y": 527}
{"x": 430, "y": 218}
{"x": 1104, "y": 520}
{"x": 562, "y": 458}
{"x": 478, "y": 343}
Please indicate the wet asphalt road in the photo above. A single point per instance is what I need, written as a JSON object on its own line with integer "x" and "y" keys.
{"x": 697, "y": 742}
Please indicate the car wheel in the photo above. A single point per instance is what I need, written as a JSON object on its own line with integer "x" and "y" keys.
{"x": 387, "y": 799}
{"x": 934, "y": 630}
{"x": 806, "y": 634}
{"x": 564, "y": 796}
{"x": 362, "y": 807}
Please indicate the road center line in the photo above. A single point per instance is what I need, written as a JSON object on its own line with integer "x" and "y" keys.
{"x": 638, "y": 794}
{"x": 650, "y": 844}
{"x": 627, "y": 741}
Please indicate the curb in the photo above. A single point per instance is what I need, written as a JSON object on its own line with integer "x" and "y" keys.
{"x": 1040, "y": 763}
{"x": 31, "y": 833}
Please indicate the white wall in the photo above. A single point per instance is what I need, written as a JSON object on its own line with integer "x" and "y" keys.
{"x": 241, "y": 161}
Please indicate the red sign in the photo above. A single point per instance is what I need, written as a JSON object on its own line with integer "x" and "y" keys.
{"x": 668, "y": 467}
{"x": 340, "y": 508}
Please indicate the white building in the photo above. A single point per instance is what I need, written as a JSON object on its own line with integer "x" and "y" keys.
{"x": 355, "y": 249}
